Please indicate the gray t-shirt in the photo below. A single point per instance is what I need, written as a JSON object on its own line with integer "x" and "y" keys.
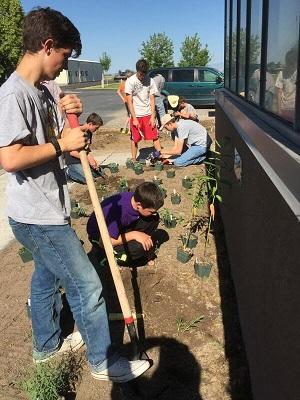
{"x": 160, "y": 83}
{"x": 191, "y": 132}
{"x": 36, "y": 195}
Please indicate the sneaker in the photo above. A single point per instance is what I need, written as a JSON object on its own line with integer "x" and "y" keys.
{"x": 73, "y": 342}
{"x": 122, "y": 370}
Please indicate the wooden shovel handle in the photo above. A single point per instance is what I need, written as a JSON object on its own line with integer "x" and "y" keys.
{"x": 73, "y": 121}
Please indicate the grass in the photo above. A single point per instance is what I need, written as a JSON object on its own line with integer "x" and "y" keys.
{"x": 53, "y": 379}
{"x": 99, "y": 87}
{"x": 185, "y": 326}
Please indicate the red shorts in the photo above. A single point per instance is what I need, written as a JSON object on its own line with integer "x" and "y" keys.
{"x": 148, "y": 132}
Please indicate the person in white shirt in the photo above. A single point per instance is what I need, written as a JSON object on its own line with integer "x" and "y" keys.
{"x": 140, "y": 91}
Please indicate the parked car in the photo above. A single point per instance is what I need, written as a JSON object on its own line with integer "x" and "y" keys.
{"x": 196, "y": 84}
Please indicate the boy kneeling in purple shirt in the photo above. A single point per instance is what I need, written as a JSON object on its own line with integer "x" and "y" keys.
{"x": 131, "y": 219}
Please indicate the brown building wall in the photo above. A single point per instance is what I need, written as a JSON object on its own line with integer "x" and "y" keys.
{"x": 261, "y": 218}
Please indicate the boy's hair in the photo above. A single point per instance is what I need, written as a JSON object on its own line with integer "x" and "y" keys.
{"x": 181, "y": 100}
{"x": 149, "y": 195}
{"x": 142, "y": 66}
{"x": 41, "y": 24}
{"x": 94, "y": 119}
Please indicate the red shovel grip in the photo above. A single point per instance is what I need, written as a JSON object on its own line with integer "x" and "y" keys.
{"x": 73, "y": 120}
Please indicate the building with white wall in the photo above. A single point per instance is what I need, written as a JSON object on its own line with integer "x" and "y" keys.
{"x": 80, "y": 71}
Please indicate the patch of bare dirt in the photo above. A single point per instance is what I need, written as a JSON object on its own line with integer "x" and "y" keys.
{"x": 202, "y": 362}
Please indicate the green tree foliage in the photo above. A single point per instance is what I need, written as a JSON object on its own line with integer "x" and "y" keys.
{"x": 158, "y": 51}
{"x": 254, "y": 47}
{"x": 192, "y": 53}
{"x": 11, "y": 17}
{"x": 105, "y": 61}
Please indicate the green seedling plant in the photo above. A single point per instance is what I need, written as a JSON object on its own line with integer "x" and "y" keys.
{"x": 175, "y": 197}
{"x": 79, "y": 211}
{"x": 123, "y": 183}
{"x": 157, "y": 180}
{"x": 54, "y": 379}
{"x": 167, "y": 216}
{"x": 186, "y": 326}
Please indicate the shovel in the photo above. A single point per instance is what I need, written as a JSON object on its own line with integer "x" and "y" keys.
{"x": 126, "y": 311}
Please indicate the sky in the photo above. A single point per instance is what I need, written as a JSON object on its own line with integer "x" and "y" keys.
{"x": 119, "y": 27}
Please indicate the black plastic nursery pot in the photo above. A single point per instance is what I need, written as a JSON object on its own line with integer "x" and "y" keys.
{"x": 25, "y": 255}
{"x": 175, "y": 198}
{"x": 190, "y": 242}
{"x": 163, "y": 191}
{"x": 202, "y": 269}
{"x": 123, "y": 188}
{"x": 157, "y": 181}
{"x": 74, "y": 214}
{"x": 170, "y": 173}
{"x": 187, "y": 183}
{"x": 158, "y": 166}
{"x": 113, "y": 167}
{"x": 74, "y": 204}
{"x": 170, "y": 223}
{"x": 129, "y": 163}
{"x": 183, "y": 255}
{"x": 138, "y": 169}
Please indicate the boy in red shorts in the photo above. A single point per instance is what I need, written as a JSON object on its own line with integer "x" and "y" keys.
{"x": 140, "y": 90}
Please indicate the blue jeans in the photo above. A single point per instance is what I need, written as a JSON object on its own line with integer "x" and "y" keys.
{"x": 60, "y": 259}
{"x": 160, "y": 108}
{"x": 75, "y": 172}
{"x": 193, "y": 155}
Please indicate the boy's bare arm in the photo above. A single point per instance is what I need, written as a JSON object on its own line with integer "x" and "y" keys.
{"x": 140, "y": 237}
{"x": 175, "y": 150}
{"x": 131, "y": 110}
{"x": 152, "y": 106}
{"x": 17, "y": 157}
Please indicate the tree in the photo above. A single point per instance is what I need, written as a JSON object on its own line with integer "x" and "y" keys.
{"x": 192, "y": 53}
{"x": 11, "y": 17}
{"x": 158, "y": 51}
{"x": 105, "y": 61}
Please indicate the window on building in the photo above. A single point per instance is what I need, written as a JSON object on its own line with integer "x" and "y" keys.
{"x": 183, "y": 75}
{"x": 261, "y": 56}
{"x": 282, "y": 56}
{"x": 76, "y": 73}
{"x": 233, "y": 47}
{"x": 86, "y": 73}
{"x": 255, "y": 51}
{"x": 81, "y": 73}
{"x": 227, "y": 43}
{"x": 242, "y": 48}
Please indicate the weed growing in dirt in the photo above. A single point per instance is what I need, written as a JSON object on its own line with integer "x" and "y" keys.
{"x": 185, "y": 326}
{"x": 53, "y": 379}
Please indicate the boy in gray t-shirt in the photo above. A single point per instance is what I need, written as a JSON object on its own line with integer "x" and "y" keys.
{"x": 191, "y": 141}
{"x": 33, "y": 136}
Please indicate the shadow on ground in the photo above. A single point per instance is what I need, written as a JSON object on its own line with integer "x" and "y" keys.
{"x": 177, "y": 375}
{"x": 239, "y": 383}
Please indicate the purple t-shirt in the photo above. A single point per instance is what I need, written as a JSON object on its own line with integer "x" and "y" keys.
{"x": 118, "y": 213}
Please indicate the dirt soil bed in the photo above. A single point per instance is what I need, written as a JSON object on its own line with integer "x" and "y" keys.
{"x": 204, "y": 361}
